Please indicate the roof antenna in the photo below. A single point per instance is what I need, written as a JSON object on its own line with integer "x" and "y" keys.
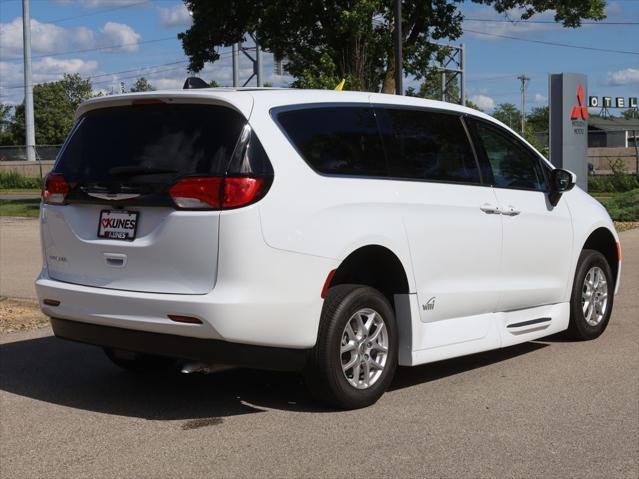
{"x": 193, "y": 83}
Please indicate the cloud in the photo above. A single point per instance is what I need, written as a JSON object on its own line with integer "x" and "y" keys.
{"x": 539, "y": 98}
{"x": 119, "y": 34}
{"x": 483, "y": 101}
{"x": 629, "y": 76}
{"x": 44, "y": 70}
{"x": 102, "y": 3}
{"x": 177, "y": 16}
{"x": 47, "y": 38}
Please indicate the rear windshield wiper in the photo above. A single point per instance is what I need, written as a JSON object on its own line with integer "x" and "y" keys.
{"x": 136, "y": 170}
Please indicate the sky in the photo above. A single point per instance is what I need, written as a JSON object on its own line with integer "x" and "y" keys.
{"x": 113, "y": 41}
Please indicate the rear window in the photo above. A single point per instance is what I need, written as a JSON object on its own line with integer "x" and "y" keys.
{"x": 337, "y": 140}
{"x": 110, "y": 144}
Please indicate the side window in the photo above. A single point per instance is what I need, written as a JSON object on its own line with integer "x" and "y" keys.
{"x": 512, "y": 163}
{"x": 337, "y": 140}
{"x": 428, "y": 145}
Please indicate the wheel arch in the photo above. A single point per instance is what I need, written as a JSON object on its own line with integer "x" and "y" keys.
{"x": 603, "y": 240}
{"x": 376, "y": 266}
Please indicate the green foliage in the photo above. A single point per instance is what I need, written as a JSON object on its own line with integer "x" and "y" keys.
{"x": 325, "y": 41}
{"x": 142, "y": 84}
{"x": 28, "y": 208}
{"x": 508, "y": 114}
{"x": 13, "y": 180}
{"x": 624, "y": 207}
{"x": 6, "y": 122}
{"x": 630, "y": 114}
{"x": 54, "y": 106}
{"x": 472, "y": 104}
{"x": 214, "y": 84}
{"x": 538, "y": 118}
{"x": 615, "y": 183}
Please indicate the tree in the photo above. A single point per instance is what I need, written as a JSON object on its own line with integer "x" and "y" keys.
{"x": 54, "y": 106}
{"x": 6, "y": 123}
{"x": 630, "y": 113}
{"x": 325, "y": 41}
{"x": 509, "y": 114}
{"x": 142, "y": 84}
{"x": 431, "y": 87}
{"x": 538, "y": 119}
{"x": 472, "y": 104}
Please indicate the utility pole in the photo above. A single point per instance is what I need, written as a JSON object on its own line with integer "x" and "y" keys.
{"x": 258, "y": 64}
{"x": 236, "y": 65}
{"x": 28, "y": 82}
{"x": 523, "y": 79}
{"x": 399, "y": 60}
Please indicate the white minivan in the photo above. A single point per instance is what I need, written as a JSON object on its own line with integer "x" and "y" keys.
{"x": 338, "y": 233}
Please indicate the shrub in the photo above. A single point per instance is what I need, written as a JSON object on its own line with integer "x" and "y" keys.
{"x": 14, "y": 180}
{"x": 618, "y": 182}
{"x": 624, "y": 207}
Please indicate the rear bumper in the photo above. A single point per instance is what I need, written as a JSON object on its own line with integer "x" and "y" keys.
{"x": 181, "y": 347}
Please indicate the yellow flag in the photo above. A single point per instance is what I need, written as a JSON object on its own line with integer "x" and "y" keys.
{"x": 340, "y": 85}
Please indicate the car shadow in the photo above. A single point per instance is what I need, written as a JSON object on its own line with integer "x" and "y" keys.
{"x": 80, "y": 376}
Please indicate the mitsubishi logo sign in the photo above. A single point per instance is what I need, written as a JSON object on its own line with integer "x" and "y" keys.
{"x": 579, "y": 110}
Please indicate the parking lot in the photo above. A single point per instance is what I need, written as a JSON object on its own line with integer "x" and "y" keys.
{"x": 549, "y": 408}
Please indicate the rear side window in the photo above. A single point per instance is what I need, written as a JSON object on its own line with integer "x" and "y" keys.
{"x": 513, "y": 164}
{"x": 336, "y": 140}
{"x": 156, "y": 141}
{"x": 428, "y": 145}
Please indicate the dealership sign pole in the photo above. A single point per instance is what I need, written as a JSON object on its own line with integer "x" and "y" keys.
{"x": 569, "y": 124}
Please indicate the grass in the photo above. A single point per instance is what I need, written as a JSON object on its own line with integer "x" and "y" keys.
{"x": 19, "y": 190}
{"x": 12, "y": 180}
{"x": 624, "y": 206}
{"x": 618, "y": 182}
{"x": 27, "y": 208}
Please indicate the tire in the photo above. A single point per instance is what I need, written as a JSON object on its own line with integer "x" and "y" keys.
{"x": 589, "y": 321}
{"x": 326, "y": 379}
{"x": 140, "y": 363}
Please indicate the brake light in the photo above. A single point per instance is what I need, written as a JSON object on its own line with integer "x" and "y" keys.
{"x": 217, "y": 193}
{"x": 197, "y": 193}
{"x": 55, "y": 189}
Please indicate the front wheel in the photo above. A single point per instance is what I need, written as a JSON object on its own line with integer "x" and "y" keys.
{"x": 592, "y": 296}
{"x": 355, "y": 356}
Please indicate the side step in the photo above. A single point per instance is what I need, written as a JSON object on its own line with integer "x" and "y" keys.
{"x": 530, "y": 325}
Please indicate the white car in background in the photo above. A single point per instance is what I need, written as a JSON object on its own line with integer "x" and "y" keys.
{"x": 339, "y": 233}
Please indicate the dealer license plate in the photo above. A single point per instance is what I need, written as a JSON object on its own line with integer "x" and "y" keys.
{"x": 118, "y": 224}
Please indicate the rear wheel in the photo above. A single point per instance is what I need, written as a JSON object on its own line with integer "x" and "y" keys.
{"x": 140, "y": 363}
{"x": 592, "y": 296}
{"x": 355, "y": 356}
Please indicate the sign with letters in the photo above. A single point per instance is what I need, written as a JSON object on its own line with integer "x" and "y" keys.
{"x": 606, "y": 102}
{"x": 569, "y": 123}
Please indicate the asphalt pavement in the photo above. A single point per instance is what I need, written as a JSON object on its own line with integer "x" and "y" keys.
{"x": 549, "y": 408}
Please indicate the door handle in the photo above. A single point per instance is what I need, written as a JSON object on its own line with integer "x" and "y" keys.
{"x": 490, "y": 209}
{"x": 510, "y": 211}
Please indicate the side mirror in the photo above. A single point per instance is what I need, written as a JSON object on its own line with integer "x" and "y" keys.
{"x": 560, "y": 182}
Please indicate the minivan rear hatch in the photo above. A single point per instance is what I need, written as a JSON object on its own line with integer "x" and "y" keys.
{"x": 117, "y": 225}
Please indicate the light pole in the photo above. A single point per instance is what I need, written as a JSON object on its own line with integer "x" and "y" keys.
{"x": 399, "y": 63}
{"x": 28, "y": 83}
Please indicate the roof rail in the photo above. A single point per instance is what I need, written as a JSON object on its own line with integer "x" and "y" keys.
{"x": 193, "y": 83}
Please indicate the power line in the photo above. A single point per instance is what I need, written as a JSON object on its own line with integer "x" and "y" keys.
{"x": 138, "y": 71}
{"x": 89, "y": 14}
{"x": 550, "y": 22}
{"x": 554, "y": 44}
{"x": 154, "y": 40}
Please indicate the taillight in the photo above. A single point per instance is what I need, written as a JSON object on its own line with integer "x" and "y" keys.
{"x": 55, "y": 189}
{"x": 197, "y": 193}
{"x": 217, "y": 193}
